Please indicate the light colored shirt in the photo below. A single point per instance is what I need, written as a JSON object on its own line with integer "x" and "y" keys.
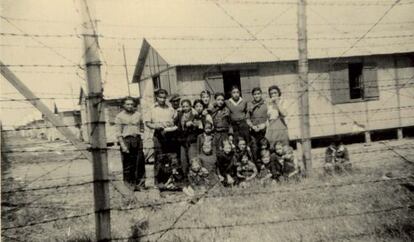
{"x": 161, "y": 114}
{"x": 127, "y": 124}
{"x": 274, "y": 113}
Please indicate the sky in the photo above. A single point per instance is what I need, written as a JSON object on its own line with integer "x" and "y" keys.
{"x": 126, "y": 22}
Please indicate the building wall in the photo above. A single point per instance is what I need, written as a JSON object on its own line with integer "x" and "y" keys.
{"x": 392, "y": 109}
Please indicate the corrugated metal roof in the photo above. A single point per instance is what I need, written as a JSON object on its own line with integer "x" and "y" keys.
{"x": 271, "y": 36}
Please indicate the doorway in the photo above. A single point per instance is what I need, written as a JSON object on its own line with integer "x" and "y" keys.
{"x": 230, "y": 79}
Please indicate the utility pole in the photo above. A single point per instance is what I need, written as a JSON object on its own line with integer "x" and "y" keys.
{"x": 304, "y": 87}
{"x": 126, "y": 70}
{"x": 97, "y": 123}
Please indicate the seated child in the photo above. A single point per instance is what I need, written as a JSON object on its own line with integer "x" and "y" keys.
{"x": 206, "y": 138}
{"x": 226, "y": 163}
{"x": 337, "y": 157}
{"x": 270, "y": 168}
{"x": 243, "y": 149}
{"x": 291, "y": 167}
{"x": 246, "y": 170}
{"x": 208, "y": 160}
{"x": 279, "y": 151}
{"x": 169, "y": 174}
{"x": 197, "y": 178}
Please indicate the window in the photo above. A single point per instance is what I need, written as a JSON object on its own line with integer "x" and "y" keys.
{"x": 156, "y": 81}
{"x": 352, "y": 82}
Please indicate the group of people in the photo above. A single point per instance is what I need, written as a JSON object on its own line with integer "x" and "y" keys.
{"x": 207, "y": 142}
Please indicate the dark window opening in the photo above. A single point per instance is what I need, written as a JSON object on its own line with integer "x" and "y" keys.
{"x": 355, "y": 81}
{"x": 156, "y": 81}
{"x": 230, "y": 79}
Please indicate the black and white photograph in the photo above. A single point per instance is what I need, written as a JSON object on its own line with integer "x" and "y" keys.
{"x": 207, "y": 120}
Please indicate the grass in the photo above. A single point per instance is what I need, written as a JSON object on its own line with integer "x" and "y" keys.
{"x": 311, "y": 210}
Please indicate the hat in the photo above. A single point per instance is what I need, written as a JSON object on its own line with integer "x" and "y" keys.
{"x": 174, "y": 97}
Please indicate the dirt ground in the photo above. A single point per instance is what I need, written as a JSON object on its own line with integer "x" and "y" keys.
{"x": 46, "y": 191}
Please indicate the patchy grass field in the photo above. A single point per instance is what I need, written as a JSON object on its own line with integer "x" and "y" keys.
{"x": 373, "y": 203}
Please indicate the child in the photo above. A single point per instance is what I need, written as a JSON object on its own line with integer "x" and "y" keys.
{"x": 205, "y": 97}
{"x": 197, "y": 178}
{"x": 262, "y": 145}
{"x": 246, "y": 170}
{"x": 337, "y": 157}
{"x": 291, "y": 167}
{"x": 205, "y": 138}
{"x": 226, "y": 163}
{"x": 242, "y": 147}
{"x": 169, "y": 174}
{"x": 270, "y": 168}
{"x": 279, "y": 151}
{"x": 197, "y": 124}
{"x": 207, "y": 153}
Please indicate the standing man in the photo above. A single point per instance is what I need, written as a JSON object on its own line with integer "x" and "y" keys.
{"x": 256, "y": 119}
{"x": 161, "y": 120}
{"x": 238, "y": 108}
{"x": 128, "y": 125}
{"x": 175, "y": 102}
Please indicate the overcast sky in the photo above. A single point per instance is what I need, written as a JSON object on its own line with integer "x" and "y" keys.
{"x": 134, "y": 19}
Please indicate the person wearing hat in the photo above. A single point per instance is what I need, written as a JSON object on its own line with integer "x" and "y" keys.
{"x": 161, "y": 121}
{"x": 175, "y": 101}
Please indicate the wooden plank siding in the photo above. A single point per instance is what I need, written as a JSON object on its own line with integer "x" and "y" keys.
{"x": 332, "y": 111}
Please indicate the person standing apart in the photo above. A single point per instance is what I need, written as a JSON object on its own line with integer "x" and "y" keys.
{"x": 161, "y": 120}
{"x": 276, "y": 130}
{"x": 256, "y": 119}
{"x": 238, "y": 109}
{"x": 128, "y": 125}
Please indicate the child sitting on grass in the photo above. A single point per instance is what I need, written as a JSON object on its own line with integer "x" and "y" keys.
{"x": 208, "y": 160}
{"x": 197, "y": 178}
{"x": 169, "y": 175}
{"x": 270, "y": 168}
{"x": 337, "y": 157}
{"x": 226, "y": 163}
{"x": 246, "y": 170}
{"x": 291, "y": 168}
{"x": 243, "y": 149}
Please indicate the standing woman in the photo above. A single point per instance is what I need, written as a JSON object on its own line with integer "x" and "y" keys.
{"x": 129, "y": 125}
{"x": 184, "y": 122}
{"x": 277, "y": 130}
{"x": 238, "y": 110}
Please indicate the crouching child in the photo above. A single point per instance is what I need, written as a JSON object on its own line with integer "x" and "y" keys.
{"x": 170, "y": 175}
{"x": 226, "y": 164}
{"x": 337, "y": 158}
{"x": 270, "y": 168}
{"x": 197, "y": 178}
{"x": 291, "y": 167}
{"x": 246, "y": 170}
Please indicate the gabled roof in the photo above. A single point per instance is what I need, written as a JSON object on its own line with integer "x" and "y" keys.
{"x": 333, "y": 31}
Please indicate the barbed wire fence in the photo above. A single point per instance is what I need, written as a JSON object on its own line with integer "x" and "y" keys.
{"x": 33, "y": 194}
